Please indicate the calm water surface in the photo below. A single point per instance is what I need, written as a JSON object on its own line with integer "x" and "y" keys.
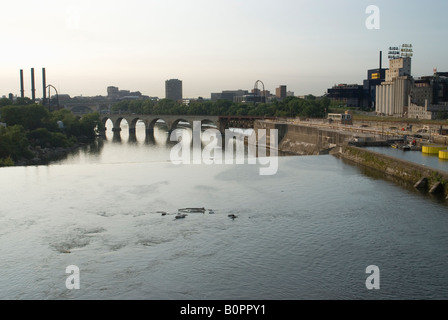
{"x": 308, "y": 232}
{"x": 429, "y": 160}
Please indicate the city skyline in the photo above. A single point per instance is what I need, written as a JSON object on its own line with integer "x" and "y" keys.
{"x": 212, "y": 46}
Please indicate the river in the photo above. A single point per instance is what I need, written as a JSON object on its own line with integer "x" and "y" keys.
{"x": 429, "y": 160}
{"x": 307, "y": 232}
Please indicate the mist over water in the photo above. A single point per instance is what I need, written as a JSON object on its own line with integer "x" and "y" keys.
{"x": 308, "y": 232}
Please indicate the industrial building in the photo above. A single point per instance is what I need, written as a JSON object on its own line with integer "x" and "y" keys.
{"x": 428, "y": 98}
{"x": 350, "y": 94}
{"x": 400, "y": 95}
{"x": 392, "y": 94}
{"x": 114, "y": 93}
{"x": 231, "y": 95}
{"x": 374, "y": 78}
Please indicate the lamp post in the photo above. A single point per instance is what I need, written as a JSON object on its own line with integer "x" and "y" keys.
{"x": 49, "y": 96}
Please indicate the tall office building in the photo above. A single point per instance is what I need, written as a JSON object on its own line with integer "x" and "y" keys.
{"x": 113, "y": 92}
{"x": 280, "y": 92}
{"x": 173, "y": 89}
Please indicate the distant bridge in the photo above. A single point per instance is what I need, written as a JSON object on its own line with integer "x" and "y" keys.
{"x": 172, "y": 121}
{"x": 85, "y": 107}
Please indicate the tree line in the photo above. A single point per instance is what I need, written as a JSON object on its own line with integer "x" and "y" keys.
{"x": 30, "y": 126}
{"x": 310, "y": 107}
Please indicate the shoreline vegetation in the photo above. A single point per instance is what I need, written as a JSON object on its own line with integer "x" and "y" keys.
{"x": 33, "y": 135}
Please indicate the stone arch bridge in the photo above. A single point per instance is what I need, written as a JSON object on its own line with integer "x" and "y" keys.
{"x": 220, "y": 122}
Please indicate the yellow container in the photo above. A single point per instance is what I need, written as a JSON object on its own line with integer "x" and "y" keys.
{"x": 443, "y": 154}
{"x": 433, "y": 149}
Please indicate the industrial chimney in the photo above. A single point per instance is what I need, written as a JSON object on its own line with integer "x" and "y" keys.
{"x": 44, "y": 87}
{"x": 22, "y": 91}
{"x": 381, "y": 60}
{"x": 33, "y": 88}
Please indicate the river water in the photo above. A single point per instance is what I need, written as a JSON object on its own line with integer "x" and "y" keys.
{"x": 307, "y": 232}
{"x": 429, "y": 160}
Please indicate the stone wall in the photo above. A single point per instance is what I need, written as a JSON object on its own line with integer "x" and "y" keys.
{"x": 413, "y": 173}
{"x": 304, "y": 139}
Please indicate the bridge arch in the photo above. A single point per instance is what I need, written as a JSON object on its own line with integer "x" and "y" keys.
{"x": 117, "y": 123}
{"x": 152, "y": 123}
{"x": 171, "y": 121}
{"x": 104, "y": 122}
{"x": 210, "y": 123}
{"x": 175, "y": 124}
{"x": 133, "y": 122}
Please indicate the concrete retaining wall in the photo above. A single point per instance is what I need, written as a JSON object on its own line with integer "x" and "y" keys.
{"x": 303, "y": 139}
{"x": 405, "y": 170}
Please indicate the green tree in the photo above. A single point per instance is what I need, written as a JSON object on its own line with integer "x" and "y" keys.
{"x": 84, "y": 127}
{"x": 310, "y": 97}
{"x": 23, "y": 101}
{"x": 165, "y": 106}
{"x": 136, "y": 106}
{"x": 29, "y": 116}
{"x": 121, "y": 106}
{"x": 14, "y": 143}
{"x": 221, "y": 107}
{"x": 5, "y": 102}
{"x": 7, "y": 162}
{"x": 89, "y": 124}
{"x": 45, "y": 139}
{"x": 69, "y": 121}
{"x": 148, "y": 106}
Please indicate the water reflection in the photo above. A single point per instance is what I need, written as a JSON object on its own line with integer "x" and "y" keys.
{"x": 141, "y": 135}
{"x": 149, "y": 145}
{"x": 159, "y": 135}
{"x": 432, "y": 161}
{"x": 375, "y": 174}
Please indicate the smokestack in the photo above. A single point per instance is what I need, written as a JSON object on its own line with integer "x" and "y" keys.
{"x": 381, "y": 60}
{"x": 22, "y": 91}
{"x": 44, "y": 87}
{"x": 33, "y": 88}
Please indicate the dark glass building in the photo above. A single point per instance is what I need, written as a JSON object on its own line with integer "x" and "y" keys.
{"x": 374, "y": 78}
{"x": 173, "y": 89}
{"x": 351, "y": 94}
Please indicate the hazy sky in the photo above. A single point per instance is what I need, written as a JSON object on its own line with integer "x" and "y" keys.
{"x": 211, "y": 45}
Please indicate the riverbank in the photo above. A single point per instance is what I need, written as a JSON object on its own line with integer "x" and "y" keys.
{"x": 46, "y": 155}
{"x": 43, "y": 156}
{"x": 421, "y": 177}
